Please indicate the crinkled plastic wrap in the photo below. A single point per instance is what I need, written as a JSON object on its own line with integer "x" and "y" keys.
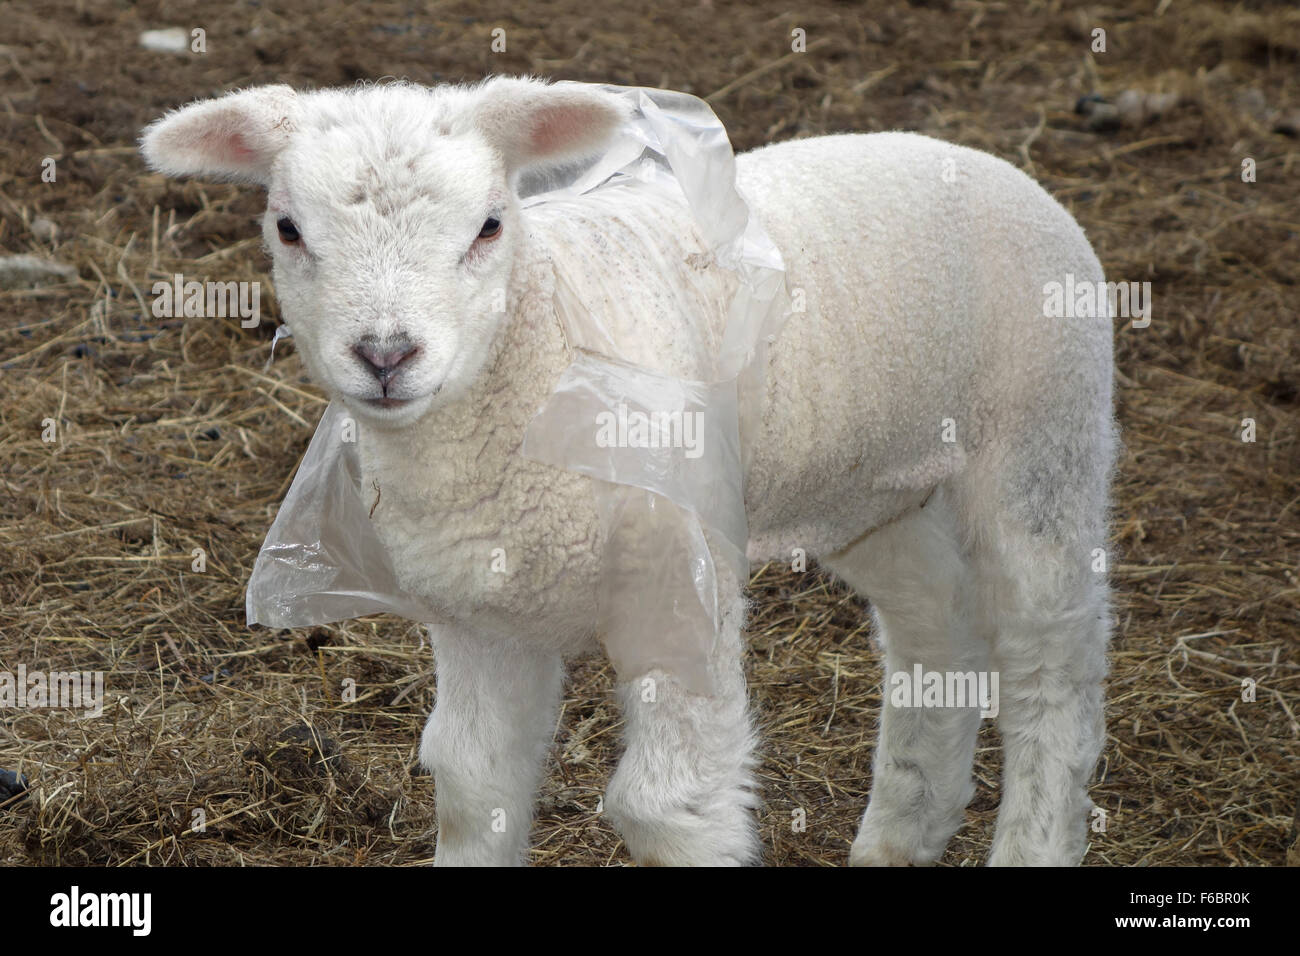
{"x": 662, "y": 445}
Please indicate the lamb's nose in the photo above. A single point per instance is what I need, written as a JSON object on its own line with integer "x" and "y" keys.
{"x": 384, "y": 361}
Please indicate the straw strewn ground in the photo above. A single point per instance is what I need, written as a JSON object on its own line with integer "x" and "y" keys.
{"x": 173, "y": 437}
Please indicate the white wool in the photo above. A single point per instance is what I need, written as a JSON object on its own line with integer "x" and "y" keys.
{"x": 924, "y": 431}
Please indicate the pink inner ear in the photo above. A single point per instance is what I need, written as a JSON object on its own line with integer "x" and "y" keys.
{"x": 236, "y": 150}
{"x": 557, "y": 129}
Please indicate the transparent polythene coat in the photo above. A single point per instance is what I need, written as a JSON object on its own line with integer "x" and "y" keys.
{"x": 668, "y": 509}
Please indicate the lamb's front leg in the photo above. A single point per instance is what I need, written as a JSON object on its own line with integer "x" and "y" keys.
{"x": 486, "y": 745}
{"x": 683, "y": 794}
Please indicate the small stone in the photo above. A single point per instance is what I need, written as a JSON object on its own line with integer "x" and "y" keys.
{"x": 1288, "y": 124}
{"x": 11, "y": 785}
{"x": 44, "y": 230}
{"x": 1098, "y": 114}
{"x": 170, "y": 40}
{"x": 1137, "y": 107}
{"x": 24, "y": 271}
{"x": 1132, "y": 108}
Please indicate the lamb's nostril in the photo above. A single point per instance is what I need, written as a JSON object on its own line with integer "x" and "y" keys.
{"x": 383, "y": 363}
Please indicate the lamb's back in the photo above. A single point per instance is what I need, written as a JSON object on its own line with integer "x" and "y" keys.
{"x": 919, "y": 267}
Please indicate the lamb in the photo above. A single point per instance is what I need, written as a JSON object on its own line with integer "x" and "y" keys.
{"x": 924, "y": 431}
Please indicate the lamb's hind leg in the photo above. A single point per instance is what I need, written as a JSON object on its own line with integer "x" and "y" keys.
{"x": 1052, "y": 617}
{"x": 917, "y": 577}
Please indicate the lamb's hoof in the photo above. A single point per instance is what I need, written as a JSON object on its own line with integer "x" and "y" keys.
{"x": 873, "y": 853}
{"x": 685, "y": 836}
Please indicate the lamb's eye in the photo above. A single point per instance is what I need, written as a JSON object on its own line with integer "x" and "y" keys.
{"x": 491, "y": 229}
{"x": 289, "y": 233}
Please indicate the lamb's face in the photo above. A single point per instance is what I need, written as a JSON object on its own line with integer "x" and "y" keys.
{"x": 392, "y": 260}
{"x": 390, "y": 216}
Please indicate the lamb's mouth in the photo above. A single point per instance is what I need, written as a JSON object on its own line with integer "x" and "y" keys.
{"x": 390, "y": 402}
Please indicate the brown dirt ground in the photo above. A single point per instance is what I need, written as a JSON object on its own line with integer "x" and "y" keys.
{"x": 172, "y": 437}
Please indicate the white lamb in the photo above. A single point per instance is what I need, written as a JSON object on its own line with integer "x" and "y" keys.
{"x": 926, "y": 432}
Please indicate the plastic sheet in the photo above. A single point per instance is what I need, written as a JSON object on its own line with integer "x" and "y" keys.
{"x": 659, "y": 435}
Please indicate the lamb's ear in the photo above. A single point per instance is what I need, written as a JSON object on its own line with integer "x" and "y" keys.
{"x": 540, "y": 124}
{"x": 236, "y": 136}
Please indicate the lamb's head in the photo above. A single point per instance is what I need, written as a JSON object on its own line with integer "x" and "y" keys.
{"x": 392, "y": 217}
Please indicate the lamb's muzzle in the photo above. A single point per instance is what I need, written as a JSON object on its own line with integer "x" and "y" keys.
{"x": 383, "y": 359}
